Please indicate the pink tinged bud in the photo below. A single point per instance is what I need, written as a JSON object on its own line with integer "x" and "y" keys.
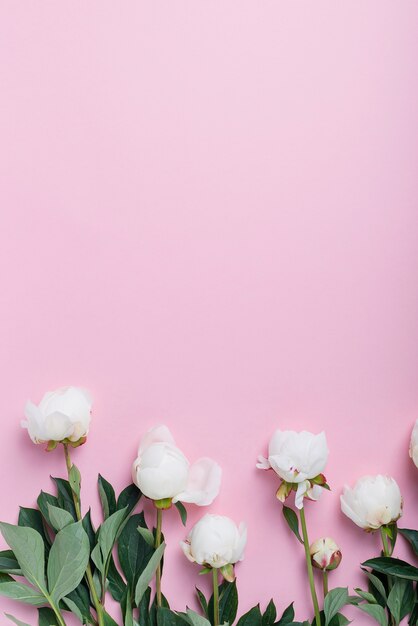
{"x": 325, "y": 554}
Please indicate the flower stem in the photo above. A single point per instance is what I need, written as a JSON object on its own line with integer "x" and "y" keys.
{"x": 387, "y": 552}
{"x": 325, "y": 582}
{"x": 89, "y": 576}
{"x": 309, "y": 567}
{"x": 215, "y": 597}
{"x": 157, "y": 545}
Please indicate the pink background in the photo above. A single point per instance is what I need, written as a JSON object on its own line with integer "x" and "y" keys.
{"x": 209, "y": 218}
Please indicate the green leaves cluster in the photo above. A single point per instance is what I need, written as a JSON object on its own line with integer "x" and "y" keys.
{"x": 50, "y": 551}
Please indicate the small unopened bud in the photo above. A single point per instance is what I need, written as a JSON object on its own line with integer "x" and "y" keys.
{"x": 325, "y": 554}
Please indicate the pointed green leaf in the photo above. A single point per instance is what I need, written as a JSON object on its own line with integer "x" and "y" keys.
{"x": 32, "y": 518}
{"x": 129, "y": 498}
{"x": 59, "y": 518}
{"x": 334, "y": 601}
{"x": 292, "y": 521}
{"x": 8, "y": 563}
{"x": 251, "y": 618}
{"x": 15, "y": 620}
{"x": 43, "y": 500}
{"x": 375, "y": 611}
{"x": 22, "y": 592}
{"x": 202, "y": 601}
{"x": 288, "y": 614}
{"x": 411, "y": 536}
{"x": 196, "y": 619}
{"x": 182, "y": 511}
{"x": 67, "y": 561}
{"x": 134, "y": 551}
{"x": 228, "y": 603}
{"x": 107, "y": 497}
{"x": 65, "y": 496}
{"x": 148, "y": 573}
{"x": 28, "y": 548}
{"x": 392, "y": 567}
{"x": 270, "y": 614}
{"x": 146, "y": 535}
{"x": 108, "y": 534}
{"x": 47, "y": 617}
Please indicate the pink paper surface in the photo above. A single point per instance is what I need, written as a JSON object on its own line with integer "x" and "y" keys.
{"x": 209, "y": 218}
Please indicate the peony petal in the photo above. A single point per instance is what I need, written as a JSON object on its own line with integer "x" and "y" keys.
{"x": 185, "y": 546}
{"x": 203, "y": 483}
{"x": 158, "y": 434}
{"x": 263, "y": 463}
{"x": 300, "y": 493}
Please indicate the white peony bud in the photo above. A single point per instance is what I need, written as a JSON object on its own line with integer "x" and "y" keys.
{"x": 162, "y": 472}
{"x": 215, "y": 541}
{"x": 325, "y": 554}
{"x": 373, "y": 502}
{"x": 61, "y": 415}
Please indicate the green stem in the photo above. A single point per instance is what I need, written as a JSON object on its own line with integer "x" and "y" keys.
{"x": 387, "y": 552}
{"x": 215, "y": 597}
{"x": 157, "y": 545}
{"x": 89, "y": 576}
{"x": 309, "y": 567}
{"x": 325, "y": 582}
{"x": 57, "y": 612}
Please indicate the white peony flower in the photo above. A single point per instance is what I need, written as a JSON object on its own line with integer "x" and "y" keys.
{"x": 325, "y": 554}
{"x": 373, "y": 502}
{"x": 215, "y": 541}
{"x": 413, "y": 447}
{"x": 161, "y": 471}
{"x": 63, "y": 414}
{"x": 297, "y": 458}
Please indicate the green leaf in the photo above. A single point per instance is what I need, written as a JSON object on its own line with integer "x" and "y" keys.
{"x": 15, "y": 620}
{"x": 366, "y": 595}
{"x": 146, "y": 535}
{"x": 197, "y": 620}
{"x": 401, "y": 599}
{"x": 377, "y": 588}
{"x": 67, "y": 561}
{"x": 202, "y": 601}
{"x": 128, "y": 498}
{"x": 392, "y": 567}
{"x": 32, "y": 518}
{"x": 334, "y": 601}
{"x": 89, "y": 528}
{"x": 270, "y": 614}
{"x": 28, "y": 548}
{"x": 22, "y": 592}
{"x": 43, "y": 500}
{"x": 292, "y": 521}
{"x": 117, "y": 585}
{"x": 9, "y": 564}
{"x": 182, "y": 511}
{"x": 375, "y": 611}
{"x": 65, "y": 496}
{"x": 59, "y": 518}
{"x": 74, "y": 478}
{"x": 411, "y": 536}
{"x": 47, "y": 617}
{"x": 339, "y": 620}
{"x": 107, "y": 497}
{"x": 288, "y": 615}
{"x": 228, "y": 603}
{"x": 134, "y": 551}
{"x": 251, "y": 618}
{"x": 108, "y": 533}
{"x": 166, "y": 617}
{"x": 81, "y": 598}
{"x": 148, "y": 573}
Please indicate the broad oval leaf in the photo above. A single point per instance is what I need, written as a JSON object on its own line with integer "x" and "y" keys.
{"x": 59, "y": 518}
{"x": 392, "y": 567}
{"x": 28, "y": 548}
{"x": 334, "y": 601}
{"x": 251, "y": 618}
{"x": 375, "y": 611}
{"x": 67, "y": 561}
